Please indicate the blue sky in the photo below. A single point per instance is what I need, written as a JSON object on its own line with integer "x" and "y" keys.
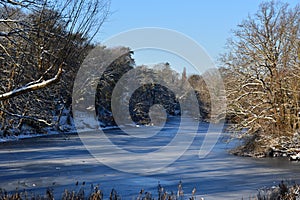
{"x": 208, "y": 22}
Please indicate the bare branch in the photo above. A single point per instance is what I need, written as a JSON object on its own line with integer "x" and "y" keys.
{"x": 27, "y": 117}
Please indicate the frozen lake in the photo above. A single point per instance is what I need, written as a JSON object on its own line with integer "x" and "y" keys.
{"x": 61, "y": 161}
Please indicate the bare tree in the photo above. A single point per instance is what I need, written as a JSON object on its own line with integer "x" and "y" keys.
{"x": 42, "y": 44}
{"x": 263, "y": 71}
{"x": 80, "y": 18}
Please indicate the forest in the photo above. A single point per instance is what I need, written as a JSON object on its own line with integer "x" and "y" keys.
{"x": 43, "y": 44}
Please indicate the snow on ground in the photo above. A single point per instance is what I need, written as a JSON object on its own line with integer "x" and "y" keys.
{"x": 81, "y": 126}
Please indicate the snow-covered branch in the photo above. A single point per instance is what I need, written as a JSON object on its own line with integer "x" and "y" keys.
{"x": 31, "y": 87}
{"x": 27, "y": 117}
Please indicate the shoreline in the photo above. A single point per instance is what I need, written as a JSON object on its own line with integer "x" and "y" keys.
{"x": 13, "y": 138}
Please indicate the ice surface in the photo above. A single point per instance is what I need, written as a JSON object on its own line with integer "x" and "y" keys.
{"x": 60, "y": 161}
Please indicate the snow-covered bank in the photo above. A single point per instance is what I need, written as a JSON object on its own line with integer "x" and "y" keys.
{"x": 67, "y": 131}
{"x": 49, "y": 133}
{"x": 66, "y": 126}
{"x": 261, "y": 146}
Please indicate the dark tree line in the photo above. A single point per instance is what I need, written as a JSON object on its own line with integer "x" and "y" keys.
{"x": 149, "y": 95}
